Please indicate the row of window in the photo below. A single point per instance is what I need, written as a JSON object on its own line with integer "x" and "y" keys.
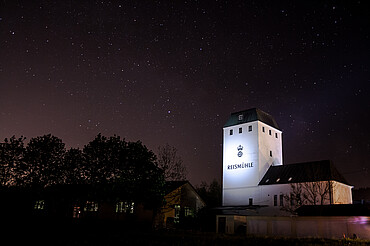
{"x": 270, "y": 132}
{"x": 231, "y": 132}
{"x": 188, "y": 212}
{"x": 240, "y": 130}
{"x": 91, "y": 206}
{"x": 281, "y": 200}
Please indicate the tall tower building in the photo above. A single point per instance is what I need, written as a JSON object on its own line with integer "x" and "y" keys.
{"x": 252, "y": 142}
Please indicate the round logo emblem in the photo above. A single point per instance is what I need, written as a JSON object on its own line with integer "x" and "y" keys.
{"x": 240, "y": 153}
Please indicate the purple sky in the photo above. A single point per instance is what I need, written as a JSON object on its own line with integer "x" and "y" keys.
{"x": 173, "y": 71}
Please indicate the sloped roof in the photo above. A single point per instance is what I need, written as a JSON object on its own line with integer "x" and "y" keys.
{"x": 172, "y": 185}
{"x": 302, "y": 172}
{"x": 251, "y": 115}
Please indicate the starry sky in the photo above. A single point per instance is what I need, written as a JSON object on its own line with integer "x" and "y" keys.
{"x": 173, "y": 71}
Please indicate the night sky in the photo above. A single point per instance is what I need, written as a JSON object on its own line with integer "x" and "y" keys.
{"x": 173, "y": 71}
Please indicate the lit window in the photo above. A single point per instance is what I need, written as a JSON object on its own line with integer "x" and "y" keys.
{"x": 39, "y": 205}
{"x": 177, "y": 213}
{"x": 269, "y": 132}
{"x": 249, "y": 128}
{"x": 263, "y": 129}
{"x": 188, "y": 212}
{"x": 275, "y": 200}
{"x": 125, "y": 207}
{"x": 250, "y": 201}
{"x": 276, "y": 135}
{"x": 76, "y": 212}
{"x": 240, "y": 130}
{"x": 231, "y": 132}
{"x": 129, "y": 207}
{"x": 91, "y": 206}
{"x": 281, "y": 200}
{"x": 271, "y": 153}
{"x": 240, "y": 117}
{"x": 119, "y": 207}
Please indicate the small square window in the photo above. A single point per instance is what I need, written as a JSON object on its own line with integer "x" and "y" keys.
{"x": 231, "y": 132}
{"x": 249, "y": 128}
{"x": 240, "y": 130}
{"x": 91, "y": 206}
{"x": 240, "y": 117}
{"x": 271, "y": 153}
{"x": 263, "y": 129}
{"x": 276, "y": 135}
{"x": 39, "y": 205}
{"x": 269, "y": 132}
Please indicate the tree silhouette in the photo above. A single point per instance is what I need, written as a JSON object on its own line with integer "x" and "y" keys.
{"x": 171, "y": 163}
{"x": 12, "y": 166}
{"x": 44, "y": 157}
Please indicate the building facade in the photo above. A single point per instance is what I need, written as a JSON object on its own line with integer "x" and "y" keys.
{"x": 254, "y": 174}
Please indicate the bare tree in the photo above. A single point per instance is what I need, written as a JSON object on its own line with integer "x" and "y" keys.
{"x": 308, "y": 193}
{"x": 171, "y": 163}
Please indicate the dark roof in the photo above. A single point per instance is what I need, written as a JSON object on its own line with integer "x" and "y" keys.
{"x": 251, "y": 115}
{"x": 302, "y": 172}
{"x": 334, "y": 210}
{"x": 172, "y": 185}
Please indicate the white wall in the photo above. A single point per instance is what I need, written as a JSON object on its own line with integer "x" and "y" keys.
{"x": 267, "y": 143}
{"x": 241, "y": 182}
{"x": 342, "y": 193}
{"x": 310, "y": 226}
{"x": 236, "y": 179}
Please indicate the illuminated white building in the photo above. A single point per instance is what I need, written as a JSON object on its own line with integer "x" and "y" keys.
{"x": 253, "y": 170}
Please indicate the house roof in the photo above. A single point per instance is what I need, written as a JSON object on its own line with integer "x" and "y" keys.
{"x": 302, "y": 172}
{"x": 251, "y": 115}
{"x": 172, "y": 185}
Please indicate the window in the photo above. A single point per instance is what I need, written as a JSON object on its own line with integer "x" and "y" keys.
{"x": 76, "y": 212}
{"x": 281, "y": 200}
{"x": 177, "y": 213}
{"x": 269, "y": 132}
{"x": 125, "y": 207}
{"x": 39, "y": 205}
{"x": 240, "y": 130}
{"x": 271, "y": 153}
{"x": 249, "y": 128}
{"x": 91, "y": 206}
{"x": 188, "y": 212}
{"x": 292, "y": 199}
{"x": 250, "y": 201}
{"x": 231, "y": 132}
{"x": 129, "y": 207}
{"x": 119, "y": 207}
{"x": 275, "y": 200}
{"x": 276, "y": 136}
{"x": 263, "y": 129}
{"x": 240, "y": 117}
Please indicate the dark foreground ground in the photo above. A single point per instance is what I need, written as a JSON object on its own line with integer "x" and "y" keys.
{"x": 52, "y": 233}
